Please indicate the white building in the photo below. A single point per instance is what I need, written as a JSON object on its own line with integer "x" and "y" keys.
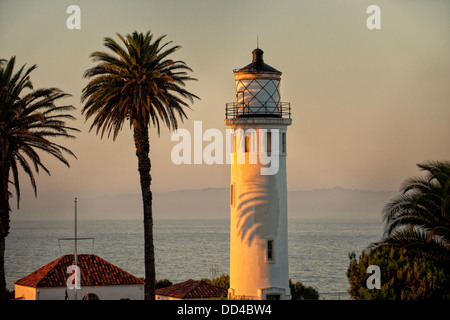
{"x": 99, "y": 279}
{"x": 258, "y": 191}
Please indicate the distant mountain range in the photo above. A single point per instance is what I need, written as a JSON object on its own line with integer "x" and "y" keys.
{"x": 213, "y": 203}
{"x": 338, "y": 202}
{"x": 335, "y": 202}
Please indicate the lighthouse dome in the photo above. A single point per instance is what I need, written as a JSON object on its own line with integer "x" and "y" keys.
{"x": 257, "y": 65}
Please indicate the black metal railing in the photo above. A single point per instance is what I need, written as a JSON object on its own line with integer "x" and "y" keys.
{"x": 235, "y": 110}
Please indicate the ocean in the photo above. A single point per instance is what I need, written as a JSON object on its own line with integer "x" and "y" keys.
{"x": 192, "y": 248}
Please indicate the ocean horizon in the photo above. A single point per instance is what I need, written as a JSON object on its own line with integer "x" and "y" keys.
{"x": 192, "y": 248}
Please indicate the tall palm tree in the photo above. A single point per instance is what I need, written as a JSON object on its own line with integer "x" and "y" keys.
{"x": 140, "y": 84}
{"x": 27, "y": 122}
{"x": 419, "y": 217}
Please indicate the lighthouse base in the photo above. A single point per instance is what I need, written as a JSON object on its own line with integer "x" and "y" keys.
{"x": 271, "y": 293}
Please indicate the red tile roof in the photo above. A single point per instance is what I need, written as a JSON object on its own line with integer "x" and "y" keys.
{"x": 192, "y": 289}
{"x": 94, "y": 272}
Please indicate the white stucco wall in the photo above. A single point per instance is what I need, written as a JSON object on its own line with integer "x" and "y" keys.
{"x": 132, "y": 292}
{"x": 25, "y": 293}
{"x": 259, "y": 214}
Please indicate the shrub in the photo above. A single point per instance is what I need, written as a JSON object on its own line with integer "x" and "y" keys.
{"x": 404, "y": 276}
{"x": 300, "y": 292}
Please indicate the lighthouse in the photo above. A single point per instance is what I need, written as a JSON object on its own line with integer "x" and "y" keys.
{"x": 257, "y": 122}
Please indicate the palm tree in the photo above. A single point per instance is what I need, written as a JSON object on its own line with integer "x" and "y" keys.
{"x": 27, "y": 122}
{"x": 419, "y": 218}
{"x": 140, "y": 84}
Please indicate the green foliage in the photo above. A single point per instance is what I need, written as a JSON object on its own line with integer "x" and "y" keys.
{"x": 419, "y": 216}
{"x": 300, "y": 292}
{"x": 136, "y": 82}
{"x": 162, "y": 283}
{"x": 404, "y": 276}
{"x": 222, "y": 281}
{"x": 30, "y": 120}
{"x": 7, "y": 295}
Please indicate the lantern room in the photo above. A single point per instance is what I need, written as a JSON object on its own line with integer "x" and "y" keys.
{"x": 257, "y": 91}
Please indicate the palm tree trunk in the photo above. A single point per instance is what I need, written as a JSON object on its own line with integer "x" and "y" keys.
{"x": 2, "y": 267}
{"x": 4, "y": 226}
{"x": 142, "y": 143}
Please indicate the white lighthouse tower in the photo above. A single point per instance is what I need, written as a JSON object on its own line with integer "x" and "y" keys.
{"x": 258, "y": 193}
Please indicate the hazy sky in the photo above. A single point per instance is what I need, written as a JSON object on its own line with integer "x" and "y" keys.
{"x": 367, "y": 105}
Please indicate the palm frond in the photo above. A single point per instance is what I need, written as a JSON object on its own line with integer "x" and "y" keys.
{"x": 28, "y": 124}
{"x": 417, "y": 217}
{"x": 136, "y": 82}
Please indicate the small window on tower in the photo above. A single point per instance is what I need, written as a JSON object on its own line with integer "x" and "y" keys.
{"x": 283, "y": 142}
{"x": 232, "y": 195}
{"x": 247, "y": 143}
{"x": 269, "y": 141}
{"x": 269, "y": 250}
